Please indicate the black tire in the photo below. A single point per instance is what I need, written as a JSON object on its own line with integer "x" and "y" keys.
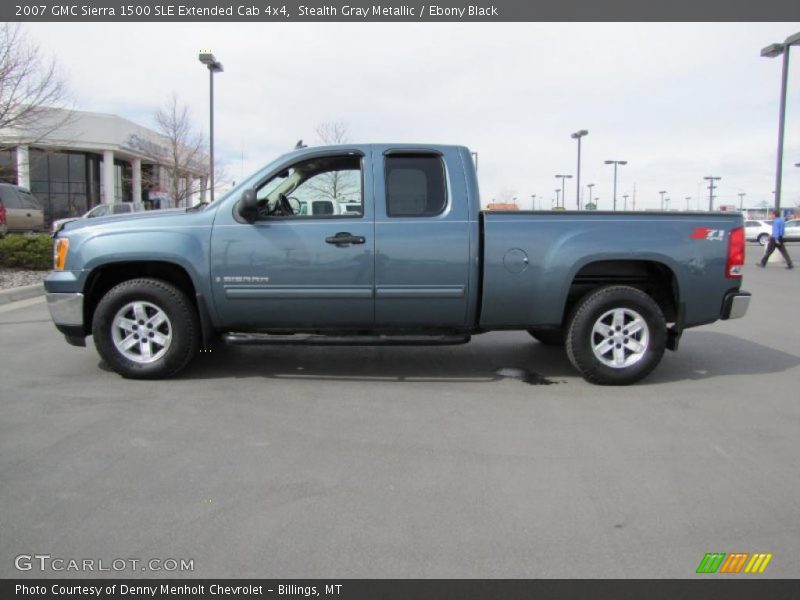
{"x": 595, "y": 309}
{"x": 763, "y": 239}
{"x": 182, "y": 324}
{"x": 548, "y": 337}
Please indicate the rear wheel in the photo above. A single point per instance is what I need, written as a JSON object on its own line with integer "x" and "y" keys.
{"x": 146, "y": 329}
{"x": 617, "y": 336}
{"x": 548, "y": 337}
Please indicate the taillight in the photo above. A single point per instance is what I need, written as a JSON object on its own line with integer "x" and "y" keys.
{"x": 733, "y": 266}
{"x": 2, "y": 212}
{"x": 60, "y": 253}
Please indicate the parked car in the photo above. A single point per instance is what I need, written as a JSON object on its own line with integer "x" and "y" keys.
{"x": 3, "y": 226}
{"x": 23, "y": 211}
{"x": 757, "y": 231}
{"x": 791, "y": 232}
{"x": 102, "y": 210}
{"x": 418, "y": 263}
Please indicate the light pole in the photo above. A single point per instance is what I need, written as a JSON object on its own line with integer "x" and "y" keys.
{"x": 577, "y": 136}
{"x": 558, "y": 191}
{"x": 214, "y": 66}
{"x": 563, "y": 196}
{"x": 616, "y": 163}
{"x": 590, "y": 186}
{"x": 687, "y": 202}
{"x": 662, "y": 192}
{"x": 533, "y": 201}
{"x": 772, "y": 51}
{"x": 666, "y": 203}
{"x": 741, "y": 201}
{"x": 625, "y": 201}
{"x": 711, "y": 179}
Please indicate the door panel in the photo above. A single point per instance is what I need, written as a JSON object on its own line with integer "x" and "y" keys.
{"x": 422, "y": 250}
{"x": 294, "y": 273}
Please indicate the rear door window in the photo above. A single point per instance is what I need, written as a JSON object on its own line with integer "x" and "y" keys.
{"x": 9, "y": 197}
{"x": 415, "y": 186}
{"x": 28, "y": 201}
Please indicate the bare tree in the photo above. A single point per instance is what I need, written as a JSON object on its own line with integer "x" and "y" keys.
{"x": 33, "y": 95}
{"x": 337, "y": 186}
{"x": 185, "y": 147}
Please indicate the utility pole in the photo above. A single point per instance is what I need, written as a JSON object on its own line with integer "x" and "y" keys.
{"x": 711, "y": 179}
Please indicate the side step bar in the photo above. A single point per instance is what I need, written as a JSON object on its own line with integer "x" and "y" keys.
{"x": 266, "y": 339}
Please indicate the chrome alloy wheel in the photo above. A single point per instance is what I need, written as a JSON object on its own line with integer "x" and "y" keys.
{"x": 141, "y": 332}
{"x": 620, "y": 338}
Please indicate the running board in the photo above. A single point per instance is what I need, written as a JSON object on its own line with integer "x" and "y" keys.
{"x": 266, "y": 339}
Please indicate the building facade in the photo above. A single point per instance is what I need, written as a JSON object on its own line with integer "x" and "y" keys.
{"x": 88, "y": 158}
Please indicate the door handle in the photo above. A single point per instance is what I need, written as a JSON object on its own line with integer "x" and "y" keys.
{"x": 343, "y": 238}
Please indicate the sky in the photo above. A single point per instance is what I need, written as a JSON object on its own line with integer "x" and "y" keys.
{"x": 677, "y": 101}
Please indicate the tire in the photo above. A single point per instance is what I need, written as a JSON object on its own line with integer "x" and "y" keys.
{"x": 602, "y": 353}
{"x": 548, "y": 337}
{"x": 763, "y": 238}
{"x": 160, "y": 310}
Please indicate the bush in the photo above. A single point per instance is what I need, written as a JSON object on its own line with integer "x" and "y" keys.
{"x": 27, "y": 252}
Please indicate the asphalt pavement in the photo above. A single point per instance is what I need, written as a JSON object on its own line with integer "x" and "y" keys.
{"x": 492, "y": 459}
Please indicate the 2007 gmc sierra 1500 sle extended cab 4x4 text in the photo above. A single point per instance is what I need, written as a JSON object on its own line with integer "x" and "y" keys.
{"x": 386, "y": 244}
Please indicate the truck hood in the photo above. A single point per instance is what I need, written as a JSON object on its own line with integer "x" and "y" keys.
{"x": 127, "y": 218}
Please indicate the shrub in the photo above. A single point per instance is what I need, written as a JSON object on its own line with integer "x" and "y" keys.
{"x": 27, "y": 252}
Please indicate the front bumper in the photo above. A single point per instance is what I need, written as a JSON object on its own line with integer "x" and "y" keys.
{"x": 66, "y": 310}
{"x": 735, "y": 305}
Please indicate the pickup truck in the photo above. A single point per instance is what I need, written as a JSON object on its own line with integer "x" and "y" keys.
{"x": 406, "y": 257}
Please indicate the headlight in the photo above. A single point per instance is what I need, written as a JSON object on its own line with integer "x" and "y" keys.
{"x": 60, "y": 253}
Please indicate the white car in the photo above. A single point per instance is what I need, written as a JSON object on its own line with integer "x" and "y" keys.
{"x": 757, "y": 231}
{"x": 791, "y": 232}
{"x": 102, "y": 210}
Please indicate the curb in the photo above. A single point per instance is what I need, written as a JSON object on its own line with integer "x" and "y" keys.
{"x": 22, "y": 292}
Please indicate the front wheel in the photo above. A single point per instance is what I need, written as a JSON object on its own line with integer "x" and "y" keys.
{"x": 617, "y": 336}
{"x": 763, "y": 238}
{"x": 146, "y": 329}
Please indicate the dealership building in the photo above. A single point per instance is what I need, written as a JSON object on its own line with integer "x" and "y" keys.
{"x": 76, "y": 160}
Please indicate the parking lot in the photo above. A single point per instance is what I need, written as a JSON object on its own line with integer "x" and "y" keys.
{"x": 408, "y": 462}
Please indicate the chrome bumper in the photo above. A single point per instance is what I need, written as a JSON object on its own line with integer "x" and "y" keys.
{"x": 735, "y": 305}
{"x": 66, "y": 309}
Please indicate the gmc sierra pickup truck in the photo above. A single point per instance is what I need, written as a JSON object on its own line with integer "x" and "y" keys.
{"x": 387, "y": 244}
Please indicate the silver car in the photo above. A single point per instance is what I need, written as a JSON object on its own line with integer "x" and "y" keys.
{"x": 102, "y": 210}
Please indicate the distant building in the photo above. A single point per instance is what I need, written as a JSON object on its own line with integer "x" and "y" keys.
{"x": 502, "y": 206}
{"x": 92, "y": 158}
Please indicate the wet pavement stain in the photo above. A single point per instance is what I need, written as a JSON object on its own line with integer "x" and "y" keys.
{"x": 528, "y": 377}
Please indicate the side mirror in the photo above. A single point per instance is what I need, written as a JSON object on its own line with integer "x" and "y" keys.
{"x": 248, "y": 206}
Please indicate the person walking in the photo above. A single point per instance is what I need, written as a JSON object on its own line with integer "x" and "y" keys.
{"x": 776, "y": 241}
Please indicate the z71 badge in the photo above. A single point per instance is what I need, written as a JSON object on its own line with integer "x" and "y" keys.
{"x": 706, "y": 233}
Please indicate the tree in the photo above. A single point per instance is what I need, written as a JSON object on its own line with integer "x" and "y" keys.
{"x": 185, "y": 145}
{"x": 337, "y": 186}
{"x": 32, "y": 93}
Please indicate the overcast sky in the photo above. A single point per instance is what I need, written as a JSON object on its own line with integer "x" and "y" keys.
{"x": 677, "y": 101}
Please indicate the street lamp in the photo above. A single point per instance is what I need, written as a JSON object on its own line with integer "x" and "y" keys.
{"x": 533, "y": 201}
{"x": 214, "y": 66}
{"x": 625, "y": 202}
{"x": 772, "y": 51}
{"x": 563, "y": 195}
{"x": 558, "y": 191}
{"x": 577, "y": 136}
{"x": 711, "y": 179}
{"x": 687, "y": 202}
{"x": 741, "y": 200}
{"x": 616, "y": 163}
{"x": 590, "y": 186}
{"x": 662, "y": 192}
{"x": 666, "y": 203}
